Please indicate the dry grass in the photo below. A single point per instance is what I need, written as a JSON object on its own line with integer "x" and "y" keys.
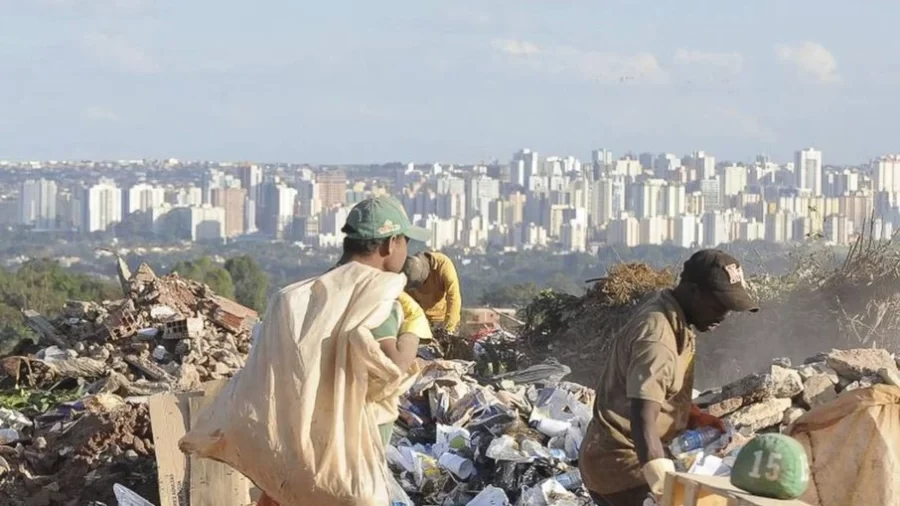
{"x": 625, "y": 283}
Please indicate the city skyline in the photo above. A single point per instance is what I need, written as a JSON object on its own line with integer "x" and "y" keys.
{"x": 560, "y": 203}
{"x": 472, "y": 81}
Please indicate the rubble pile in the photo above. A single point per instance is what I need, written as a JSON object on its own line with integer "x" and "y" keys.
{"x": 168, "y": 334}
{"x": 514, "y": 435}
{"x": 772, "y": 400}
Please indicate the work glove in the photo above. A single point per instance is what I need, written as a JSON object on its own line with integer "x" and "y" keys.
{"x": 655, "y": 473}
{"x": 699, "y": 418}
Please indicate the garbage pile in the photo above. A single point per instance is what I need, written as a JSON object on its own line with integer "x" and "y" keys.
{"x": 508, "y": 438}
{"x": 168, "y": 334}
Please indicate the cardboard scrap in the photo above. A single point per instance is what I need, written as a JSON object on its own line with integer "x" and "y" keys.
{"x": 192, "y": 481}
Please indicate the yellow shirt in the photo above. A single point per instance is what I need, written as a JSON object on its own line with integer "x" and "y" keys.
{"x": 439, "y": 295}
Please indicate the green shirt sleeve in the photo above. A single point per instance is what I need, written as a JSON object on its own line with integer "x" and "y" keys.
{"x": 390, "y": 327}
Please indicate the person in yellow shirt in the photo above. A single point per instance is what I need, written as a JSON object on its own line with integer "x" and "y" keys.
{"x": 433, "y": 283}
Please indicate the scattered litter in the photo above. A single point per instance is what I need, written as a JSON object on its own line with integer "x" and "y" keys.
{"x": 490, "y": 496}
{"x": 127, "y": 497}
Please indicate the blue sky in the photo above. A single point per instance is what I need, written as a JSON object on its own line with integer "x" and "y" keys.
{"x": 460, "y": 81}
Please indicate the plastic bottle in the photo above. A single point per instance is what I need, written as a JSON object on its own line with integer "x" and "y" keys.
{"x": 694, "y": 439}
{"x": 9, "y": 436}
{"x": 569, "y": 481}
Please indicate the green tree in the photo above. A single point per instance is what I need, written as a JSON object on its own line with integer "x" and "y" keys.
{"x": 251, "y": 283}
{"x": 515, "y": 295}
{"x": 205, "y": 271}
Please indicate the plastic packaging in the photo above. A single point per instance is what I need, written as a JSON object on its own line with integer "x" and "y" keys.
{"x": 127, "y": 497}
{"x": 459, "y": 466}
{"x": 490, "y": 496}
{"x": 570, "y": 480}
{"x": 693, "y": 439}
{"x": 551, "y": 427}
{"x": 9, "y": 436}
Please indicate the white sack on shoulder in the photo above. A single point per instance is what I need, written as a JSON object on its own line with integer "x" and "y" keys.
{"x": 296, "y": 420}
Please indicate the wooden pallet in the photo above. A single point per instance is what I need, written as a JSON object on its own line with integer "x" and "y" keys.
{"x": 693, "y": 490}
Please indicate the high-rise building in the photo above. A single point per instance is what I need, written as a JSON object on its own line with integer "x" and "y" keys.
{"x": 525, "y": 164}
{"x": 332, "y": 188}
{"x": 480, "y": 191}
{"x": 712, "y": 194}
{"x": 628, "y": 167}
{"x": 37, "y": 204}
{"x": 232, "y": 200}
{"x": 625, "y": 231}
{"x": 734, "y": 180}
{"x": 142, "y": 197}
{"x": 808, "y": 170}
{"x": 674, "y": 200}
{"x": 251, "y": 177}
{"x": 715, "y": 229}
{"x": 212, "y": 179}
{"x": 607, "y": 201}
{"x": 688, "y": 231}
{"x": 703, "y": 164}
{"x": 101, "y": 206}
{"x": 647, "y": 197}
{"x": 574, "y": 235}
{"x": 886, "y": 174}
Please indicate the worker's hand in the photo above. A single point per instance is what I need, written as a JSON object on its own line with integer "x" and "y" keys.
{"x": 699, "y": 418}
{"x": 655, "y": 473}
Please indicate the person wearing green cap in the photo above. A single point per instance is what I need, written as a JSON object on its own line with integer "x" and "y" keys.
{"x": 377, "y": 233}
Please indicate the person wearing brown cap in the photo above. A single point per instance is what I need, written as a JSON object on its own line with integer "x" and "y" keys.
{"x": 645, "y": 385}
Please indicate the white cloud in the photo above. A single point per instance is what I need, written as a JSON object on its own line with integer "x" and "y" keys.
{"x": 120, "y": 54}
{"x": 514, "y": 47}
{"x": 810, "y": 59}
{"x": 731, "y": 62}
{"x": 589, "y": 65}
{"x": 95, "y": 114}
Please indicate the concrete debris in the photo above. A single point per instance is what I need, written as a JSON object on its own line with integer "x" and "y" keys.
{"x": 771, "y": 401}
{"x": 818, "y": 390}
{"x": 855, "y": 364}
{"x": 791, "y": 415}
{"x": 788, "y": 382}
{"x": 759, "y": 416}
{"x": 890, "y": 377}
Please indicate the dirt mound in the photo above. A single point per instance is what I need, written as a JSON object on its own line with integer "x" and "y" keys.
{"x": 74, "y": 463}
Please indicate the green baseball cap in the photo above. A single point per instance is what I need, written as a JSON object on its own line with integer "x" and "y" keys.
{"x": 380, "y": 218}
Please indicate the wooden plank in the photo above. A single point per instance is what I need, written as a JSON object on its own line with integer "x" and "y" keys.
{"x": 214, "y": 483}
{"x": 669, "y": 487}
{"x": 169, "y": 421}
{"x": 722, "y": 487}
{"x": 691, "y": 492}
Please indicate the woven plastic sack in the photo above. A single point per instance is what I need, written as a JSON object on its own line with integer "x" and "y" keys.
{"x": 300, "y": 419}
{"x": 853, "y": 445}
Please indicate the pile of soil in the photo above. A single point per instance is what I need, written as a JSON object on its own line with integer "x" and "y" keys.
{"x": 80, "y": 463}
